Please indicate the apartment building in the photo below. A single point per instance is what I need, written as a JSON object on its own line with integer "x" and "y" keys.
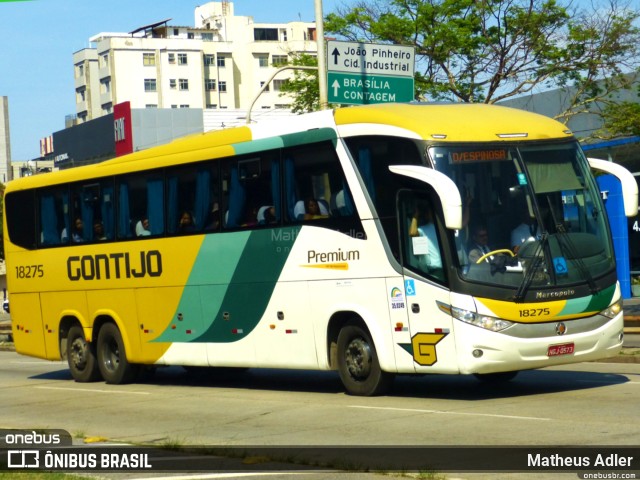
{"x": 219, "y": 63}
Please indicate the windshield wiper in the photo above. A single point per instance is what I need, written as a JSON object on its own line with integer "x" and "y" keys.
{"x": 536, "y": 260}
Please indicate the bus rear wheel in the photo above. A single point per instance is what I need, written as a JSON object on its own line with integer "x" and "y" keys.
{"x": 358, "y": 364}
{"x": 112, "y": 358}
{"x": 81, "y": 357}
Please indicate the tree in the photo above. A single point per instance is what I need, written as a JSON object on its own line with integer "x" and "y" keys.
{"x": 493, "y": 50}
{"x": 303, "y": 86}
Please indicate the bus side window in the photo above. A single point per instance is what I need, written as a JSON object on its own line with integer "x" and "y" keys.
{"x": 141, "y": 197}
{"x": 54, "y": 218}
{"x": 194, "y": 190}
{"x": 314, "y": 184}
{"x": 20, "y": 210}
{"x": 251, "y": 188}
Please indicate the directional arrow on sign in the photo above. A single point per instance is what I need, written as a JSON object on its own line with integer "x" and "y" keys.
{"x": 336, "y": 87}
{"x": 335, "y": 54}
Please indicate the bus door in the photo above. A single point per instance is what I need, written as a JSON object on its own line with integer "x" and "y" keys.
{"x": 431, "y": 345}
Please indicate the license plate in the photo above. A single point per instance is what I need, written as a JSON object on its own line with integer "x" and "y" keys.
{"x": 564, "y": 349}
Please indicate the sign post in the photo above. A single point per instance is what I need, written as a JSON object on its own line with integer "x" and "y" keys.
{"x": 363, "y": 73}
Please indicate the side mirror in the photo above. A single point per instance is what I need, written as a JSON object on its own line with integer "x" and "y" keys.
{"x": 444, "y": 187}
{"x": 629, "y": 185}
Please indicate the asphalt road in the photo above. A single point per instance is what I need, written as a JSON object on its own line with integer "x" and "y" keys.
{"x": 582, "y": 404}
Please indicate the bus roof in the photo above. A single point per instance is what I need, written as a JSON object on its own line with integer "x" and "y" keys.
{"x": 457, "y": 122}
{"x": 437, "y": 122}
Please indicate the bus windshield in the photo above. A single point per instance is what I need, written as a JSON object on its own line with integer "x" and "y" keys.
{"x": 533, "y": 215}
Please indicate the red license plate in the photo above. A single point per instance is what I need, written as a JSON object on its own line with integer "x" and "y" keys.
{"x": 564, "y": 349}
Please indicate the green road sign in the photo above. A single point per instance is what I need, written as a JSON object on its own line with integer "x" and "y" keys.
{"x": 358, "y": 89}
{"x": 360, "y": 73}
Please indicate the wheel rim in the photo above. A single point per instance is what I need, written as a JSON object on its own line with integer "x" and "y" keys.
{"x": 111, "y": 355}
{"x": 79, "y": 353}
{"x": 358, "y": 359}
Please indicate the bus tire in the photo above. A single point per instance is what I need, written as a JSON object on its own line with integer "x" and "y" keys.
{"x": 112, "y": 358}
{"x": 81, "y": 356}
{"x": 496, "y": 378}
{"x": 358, "y": 364}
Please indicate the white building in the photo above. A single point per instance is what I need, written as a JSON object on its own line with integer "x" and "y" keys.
{"x": 220, "y": 63}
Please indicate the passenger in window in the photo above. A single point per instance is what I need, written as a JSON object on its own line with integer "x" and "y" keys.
{"x": 312, "y": 210}
{"x": 98, "y": 231}
{"x": 76, "y": 232}
{"x": 266, "y": 215}
{"x": 186, "y": 223}
{"x": 270, "y": 216}
{"x": 142, "y": 228}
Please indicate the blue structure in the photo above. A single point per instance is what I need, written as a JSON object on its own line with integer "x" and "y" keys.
{"x": 619, "y": 229}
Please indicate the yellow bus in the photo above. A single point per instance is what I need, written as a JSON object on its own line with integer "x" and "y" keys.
{"x": 375, "y": 240}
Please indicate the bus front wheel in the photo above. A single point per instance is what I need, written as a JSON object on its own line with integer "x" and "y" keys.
{"x": 81, "y": 357}
{"x": 358, "y": 364}
{"x": 112, "y": 358}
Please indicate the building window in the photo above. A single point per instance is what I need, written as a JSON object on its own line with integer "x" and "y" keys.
{"x": 183, "y": 83}
{"x": 281, "y": 106}
{"x": 150, "y": 85}
{"x": 149, "y": 59}
{"x": 172, "y": 58}
{"x": 207, "y": 37}
{"x": 262, "y": 85}
{"x": 311, "y": 34}
{"x": 172, "y": 83}
{"x": 209, "y": 59}
{"x": 265, "y": 34}
{"x": 176, "y": 32}
{"x": 263, "y": 61}
{"x": 184, "y": 105}
{"x": 212, "y": 105}
{"x": 190, "y": 35}
{"x": 209, "y": 84}
{"x": 279, "y": 60}
{"x": 182, "y": 59}
{"x": 79, "y": 70}
{"x": 105, "y": 85}
{"x": 221, "y": 60}
{"x": 80, "y": 95}
{"x": 283, "y": 34}
{"x": 104, "y": 60}
{"x": 151, "y": 105}
{"x": 277, "y": 85}
{"x": 222, "y": 86}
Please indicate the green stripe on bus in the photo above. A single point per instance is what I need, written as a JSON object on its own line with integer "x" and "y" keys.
{"x": 231, "y": 284}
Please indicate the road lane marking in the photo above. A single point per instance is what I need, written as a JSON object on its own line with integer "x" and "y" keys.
{"x": 93, "y": 390}
{"x": 443, "y": 412}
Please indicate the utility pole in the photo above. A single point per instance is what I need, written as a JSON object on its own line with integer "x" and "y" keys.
{"x": 322, "y": 58}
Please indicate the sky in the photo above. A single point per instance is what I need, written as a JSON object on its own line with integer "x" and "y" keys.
{"x": 38, "y": 39}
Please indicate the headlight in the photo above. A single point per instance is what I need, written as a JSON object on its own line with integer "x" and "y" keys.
{"x": 613, "y": 310}
{"x": 483, "y": 321}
